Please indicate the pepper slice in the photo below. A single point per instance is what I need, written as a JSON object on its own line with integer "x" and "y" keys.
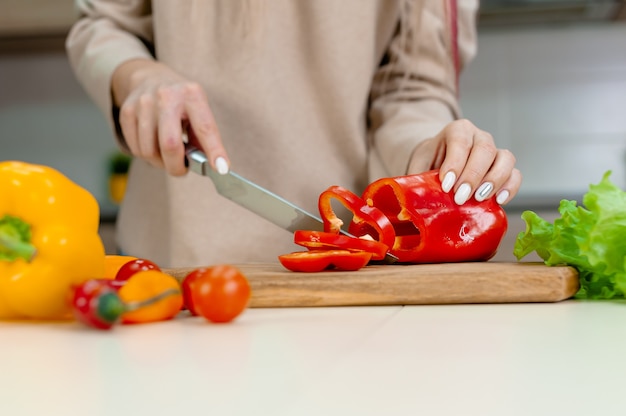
{"x": 316, "y": 240}
{"x": 367, "y": 220}
{"x": 319, "y": 260}
{"x": 430, "y": 227}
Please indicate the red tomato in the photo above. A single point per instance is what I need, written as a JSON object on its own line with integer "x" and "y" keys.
{"x": 219, "y": 293}
{"x": 314, "y": 240}
{"x": 133, "y": 266}
{"x": 318, "y": 260}
{"x": 189, "y": 286}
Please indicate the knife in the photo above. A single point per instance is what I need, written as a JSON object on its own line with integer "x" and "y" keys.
{"x": 257, "y": 199}
{"x": 254, "y": 197}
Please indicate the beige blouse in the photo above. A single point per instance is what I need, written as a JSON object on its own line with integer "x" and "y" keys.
{"x": 306, "y": 94}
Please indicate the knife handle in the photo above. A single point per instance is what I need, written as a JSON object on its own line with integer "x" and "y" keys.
{"x": 195, "y": 160}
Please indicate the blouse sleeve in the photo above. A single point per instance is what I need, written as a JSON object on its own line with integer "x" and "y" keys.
{"x": 414, "y": 93}
{"x": 106, "y": 34}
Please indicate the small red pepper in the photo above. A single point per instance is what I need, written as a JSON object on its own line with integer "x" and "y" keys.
{"x": 429, "y": 226}
{"x": 96, "y": 303}
{"x": 367, "y": 220}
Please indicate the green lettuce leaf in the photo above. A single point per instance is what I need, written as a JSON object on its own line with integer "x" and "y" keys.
{"x": 590, "y": 238}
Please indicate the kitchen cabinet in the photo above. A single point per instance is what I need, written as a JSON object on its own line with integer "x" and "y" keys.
{"x": 35, "y": 17}
{"x": 35, "y": 26}
{"x": 562, "y": 358}
{"x": 46, "y": 17}
{"x": 47, "y": 118}
{"x": 552, "y": 95}
{"x": 532, "y": 12}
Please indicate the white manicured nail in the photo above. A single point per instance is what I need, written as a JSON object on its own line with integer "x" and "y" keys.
{"x": 221, "y": 165}
{"x": 502, "y": 197}
{"x": 448, "y": 182}
{"x": 462, "y": 194}
{"x": 483, "y": 191}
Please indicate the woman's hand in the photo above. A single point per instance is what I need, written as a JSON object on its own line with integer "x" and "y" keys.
{"x": 156, "y": 106}
{"x": 469, "y": 163}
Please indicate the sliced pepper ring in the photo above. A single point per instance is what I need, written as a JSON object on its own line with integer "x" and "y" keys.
{"x": 317, "y": 240}
{"x": 367, "y": 220}
{"x": 319, "y": 260}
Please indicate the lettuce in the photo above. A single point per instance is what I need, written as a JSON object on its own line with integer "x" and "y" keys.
{"x": 590, "y": 238}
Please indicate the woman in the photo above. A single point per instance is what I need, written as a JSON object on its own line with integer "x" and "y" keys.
{"x": 294, "y": 95}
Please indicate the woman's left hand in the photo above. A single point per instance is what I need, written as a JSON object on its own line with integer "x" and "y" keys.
{"x": 469, "y": 163}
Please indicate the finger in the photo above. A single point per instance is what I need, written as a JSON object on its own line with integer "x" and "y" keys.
{"x": 205, "y": 129}
{"x": 128, "y": 124}
{"x": 440, "y": 155}
{"x": 422, "y": 158}
{"x": 458, "y": 137}
{"x": 171, "y": 143}
{"x": 147, "y": 134}
{"x": 480, "y": 160}
{"x": 496, "y": 176}
{"x": 510, "y": 188}
{"x": 169, "y": 131}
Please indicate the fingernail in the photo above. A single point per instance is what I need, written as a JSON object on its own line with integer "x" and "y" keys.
{"x": 483, "y": 191}
{"x": 448, "y": 182}
{"x": 462, "y": 194}
{"x": 221, "y": 165}
{"x": 502, "y": 197}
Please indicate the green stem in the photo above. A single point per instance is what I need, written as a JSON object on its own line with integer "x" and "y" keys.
{"x": 132, "y": 306}
{"x": 15, "y": 239}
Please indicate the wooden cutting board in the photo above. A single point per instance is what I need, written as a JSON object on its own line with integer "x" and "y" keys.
{"x": 452, "y": 283}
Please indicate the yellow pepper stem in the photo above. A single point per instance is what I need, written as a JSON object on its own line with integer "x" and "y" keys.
{"x": 15, "y": 239}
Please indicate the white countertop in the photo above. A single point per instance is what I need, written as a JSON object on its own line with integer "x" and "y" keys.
{"x": 566, "y": 358}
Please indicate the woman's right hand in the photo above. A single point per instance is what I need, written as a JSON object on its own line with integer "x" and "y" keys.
{"x": 156, "y": 106}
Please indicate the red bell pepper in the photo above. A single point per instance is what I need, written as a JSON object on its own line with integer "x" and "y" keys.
{"x": 318, "y": 240}
{"x": 410, "y": 216}
{"x": 367, "y": 220}
{"x": 429, "y": 226}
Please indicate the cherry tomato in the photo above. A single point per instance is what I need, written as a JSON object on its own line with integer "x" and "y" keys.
{"x": 219, "y": 293}
{"x": 319, "y": 260}
{"x": 113, "y": 262}
{"x": 133, "y": 266}
{"x": 97, "y": 304}
{"x": 188, "y": 286}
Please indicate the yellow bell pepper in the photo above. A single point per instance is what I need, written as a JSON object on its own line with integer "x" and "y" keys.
{"x": 49, "y": 241}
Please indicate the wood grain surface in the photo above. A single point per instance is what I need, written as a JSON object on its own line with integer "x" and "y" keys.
{"x": 451, "y": 283}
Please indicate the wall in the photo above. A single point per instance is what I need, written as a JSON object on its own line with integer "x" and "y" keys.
{"x": 556, "y": 96}
{"x": 46, "y": 118}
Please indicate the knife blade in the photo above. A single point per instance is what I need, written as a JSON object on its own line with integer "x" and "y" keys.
{"x": 255, "y": 198}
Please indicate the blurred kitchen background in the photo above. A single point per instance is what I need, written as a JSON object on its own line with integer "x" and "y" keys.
{"x": 549, "y": 82}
